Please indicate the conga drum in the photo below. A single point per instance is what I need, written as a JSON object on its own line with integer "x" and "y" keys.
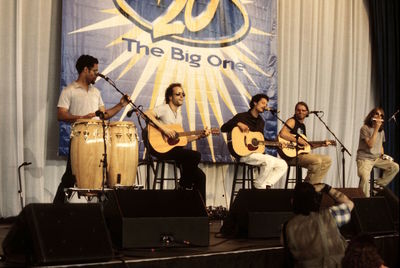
{"x": 87, "y": 149}
{"x": 124, "y": 154}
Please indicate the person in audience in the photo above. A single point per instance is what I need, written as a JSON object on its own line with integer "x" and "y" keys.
{"x": 312, "y": 236}
{"x": 362, "y": 253}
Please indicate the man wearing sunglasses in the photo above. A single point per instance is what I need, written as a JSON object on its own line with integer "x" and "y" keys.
{"x": 169, "y": 113}
{"x": 370, "y": 152}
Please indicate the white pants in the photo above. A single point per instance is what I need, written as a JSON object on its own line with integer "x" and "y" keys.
{"x": 271, "y": 168}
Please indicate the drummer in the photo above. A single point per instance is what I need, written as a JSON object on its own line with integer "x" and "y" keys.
{"x": 81, "y": 100}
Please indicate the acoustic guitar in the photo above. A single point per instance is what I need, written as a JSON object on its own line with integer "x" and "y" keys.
{"x": 245, "y": 143}
{"x": 289, "y": 152}
{"x": 162, "y": 143}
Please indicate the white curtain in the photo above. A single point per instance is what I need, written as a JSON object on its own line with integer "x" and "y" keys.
{"x": 30, "y": 67}
{"x": 324, "y": 59}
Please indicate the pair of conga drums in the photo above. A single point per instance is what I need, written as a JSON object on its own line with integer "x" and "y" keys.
{"x": 87, "y": 150}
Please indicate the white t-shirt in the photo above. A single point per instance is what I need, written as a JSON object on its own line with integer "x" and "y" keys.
{"x": 79, "y": 101}
{"x": 164, "y": 114}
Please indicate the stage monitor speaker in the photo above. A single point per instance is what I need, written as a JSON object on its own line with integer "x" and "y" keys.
{"x": 369, "y": 215}
{"x": 58, "y": 234}
{"x": 328, "y": 201}
{"x": 258, "y": 213}
{"x": 393, "y": 203}
{"x": 156, "y": 218}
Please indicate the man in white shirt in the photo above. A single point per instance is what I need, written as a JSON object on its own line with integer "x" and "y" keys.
{"x": 81, "y": 100}
{"x": 170, "y": 113}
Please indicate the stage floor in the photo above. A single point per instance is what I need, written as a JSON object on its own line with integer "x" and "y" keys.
{"x": 218, "y": 246}
{"x": 221, "y": 252}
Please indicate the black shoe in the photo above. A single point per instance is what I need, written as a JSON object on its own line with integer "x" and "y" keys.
{"x": 181, "y": 187}
{"x": 185, "y": 186}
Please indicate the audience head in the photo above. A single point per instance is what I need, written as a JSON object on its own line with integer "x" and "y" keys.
{"x": 305, "y": 199}
{"x": 362, "y": 252}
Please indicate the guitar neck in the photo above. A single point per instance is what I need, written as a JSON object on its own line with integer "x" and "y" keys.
{"x": 270, "y": 143}
{"x": 320, "y": 143}
{"x": 189, "y": 133}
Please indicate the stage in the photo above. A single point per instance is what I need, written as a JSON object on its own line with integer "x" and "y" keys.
{"x": 221, "y": 252}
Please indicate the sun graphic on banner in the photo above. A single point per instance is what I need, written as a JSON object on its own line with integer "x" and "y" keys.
{"x": 201, "y": 66}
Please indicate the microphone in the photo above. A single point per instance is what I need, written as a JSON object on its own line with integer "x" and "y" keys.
{"x": 99, "y": 114}
{"x": 315, "y": 112}
{"x": 377, "y": 119}
{"x": 24, "y": 164}
{"x": 393, "y": 117}
{"x": 103, "y": 76}
{"x": 129, "y": 114}
{"x": 272, "y": 110}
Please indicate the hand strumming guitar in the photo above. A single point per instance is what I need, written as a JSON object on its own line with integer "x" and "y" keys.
{"x": 169, "y": 132}
{"x": 243, "y": 127}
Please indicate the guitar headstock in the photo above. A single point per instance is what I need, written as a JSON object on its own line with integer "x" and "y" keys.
{"x": 331, "y": 142}
{"x": 215, "y": 131}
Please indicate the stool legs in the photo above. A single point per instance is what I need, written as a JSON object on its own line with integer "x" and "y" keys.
{"x": 292, "y": 180}
{"x": 162, "y": 177}
{"x": 247, "y": 176}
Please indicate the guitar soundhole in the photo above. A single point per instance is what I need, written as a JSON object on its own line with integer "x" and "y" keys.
{"x": 172, "y": 141}
{"x": 254, "y": 142}
{"x": 250, "y": 147}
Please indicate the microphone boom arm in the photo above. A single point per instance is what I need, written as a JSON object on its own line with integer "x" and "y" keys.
{"x": 135, "y": 107}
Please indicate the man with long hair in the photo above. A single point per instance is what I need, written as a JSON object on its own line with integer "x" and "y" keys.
{"x": 317, "y": 165}
{"x": 169, "y": 113}
{"x": 370, "y": 152}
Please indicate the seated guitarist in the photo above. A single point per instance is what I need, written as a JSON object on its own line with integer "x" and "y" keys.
{"x": 271, "y": 168}
{"x": 316, "y": 164}
{"x": 170, "y": 113}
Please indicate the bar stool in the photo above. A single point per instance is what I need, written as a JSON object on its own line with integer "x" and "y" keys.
{"x": 247, "y": 179}
{"x": 149, "y": 164}
{"x": 292, "y": 180}
{"x": 160, "y": 168}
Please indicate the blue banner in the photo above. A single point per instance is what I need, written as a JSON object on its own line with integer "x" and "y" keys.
{"x": 221, "y": 51}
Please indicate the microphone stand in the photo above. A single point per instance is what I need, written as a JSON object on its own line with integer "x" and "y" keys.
{"x": 135, "y": 107}
{"x": 393, "y": 117}
{"x": 140, "y": 113}
{"x": 297, "y": 136}
{"x": 20, "y": 183}
{"x": 104, "y": 161}
{"x": 343, "y": 149}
